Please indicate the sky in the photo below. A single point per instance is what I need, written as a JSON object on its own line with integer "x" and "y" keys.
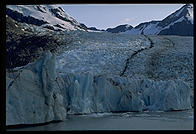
{"x": 103, "y": 16}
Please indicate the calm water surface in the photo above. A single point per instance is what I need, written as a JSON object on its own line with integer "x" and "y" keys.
{"x": 178, "y": 120}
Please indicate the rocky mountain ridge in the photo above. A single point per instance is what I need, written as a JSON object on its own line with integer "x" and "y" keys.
{"x": 178, "y": 23}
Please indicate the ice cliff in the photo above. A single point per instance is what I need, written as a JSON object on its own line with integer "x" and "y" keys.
{"x": 87, "y": 93}
{"x": 32, "y": 93}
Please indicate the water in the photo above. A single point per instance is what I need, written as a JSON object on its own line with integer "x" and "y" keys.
{"x": 178, "y": 120}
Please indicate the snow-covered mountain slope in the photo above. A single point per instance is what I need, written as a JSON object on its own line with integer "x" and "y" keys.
{"x": 148, "y": 28}
{"x": 49, "y": 16}
{"x": 178, "y": 23}
{"x": 120, "y": 28}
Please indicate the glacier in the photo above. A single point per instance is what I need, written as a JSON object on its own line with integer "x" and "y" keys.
{"x": 32, "y": 94}
{"x": 91, "y": 94}
{"x": 86, "y": 77}
{"x": 94, "y": 65}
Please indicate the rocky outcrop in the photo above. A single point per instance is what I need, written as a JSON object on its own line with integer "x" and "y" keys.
{"x": 32, "y": 93}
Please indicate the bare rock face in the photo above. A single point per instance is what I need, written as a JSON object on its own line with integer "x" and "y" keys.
{"x": 25, "y": 42}
{"x": 32, "y": 94}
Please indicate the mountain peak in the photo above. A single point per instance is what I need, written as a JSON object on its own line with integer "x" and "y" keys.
{"x": 120, "y": 28}
{"x": 189, "y": 5}
{"x": 187, "y": 12}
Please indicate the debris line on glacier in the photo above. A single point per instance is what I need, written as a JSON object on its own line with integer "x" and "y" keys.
{"x": 134, "y": 54}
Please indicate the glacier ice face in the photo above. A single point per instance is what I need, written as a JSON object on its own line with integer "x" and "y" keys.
{"x": 32, "y": 95}
{"x": 166, "y": 95}
{"x": 87, "y": 93}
